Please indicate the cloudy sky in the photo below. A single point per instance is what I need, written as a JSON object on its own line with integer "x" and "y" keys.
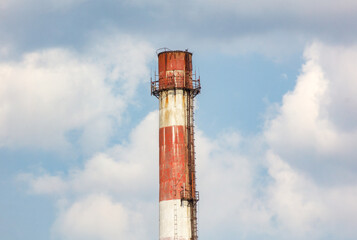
{"x": 276, "y": 121}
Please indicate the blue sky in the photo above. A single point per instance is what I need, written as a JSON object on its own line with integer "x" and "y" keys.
{"x": 276, "y": 129}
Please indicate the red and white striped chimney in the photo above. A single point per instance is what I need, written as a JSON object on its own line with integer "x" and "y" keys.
{"x": 175, "y": 87}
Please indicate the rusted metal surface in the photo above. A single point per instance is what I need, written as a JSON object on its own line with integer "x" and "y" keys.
{"x": 173, "y": 175}
{"x": 175, "y": 72}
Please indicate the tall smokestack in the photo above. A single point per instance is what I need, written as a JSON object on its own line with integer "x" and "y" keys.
{"x": 175, "y": 86}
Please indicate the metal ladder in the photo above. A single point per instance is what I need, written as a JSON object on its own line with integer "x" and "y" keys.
{"x": 191, "y": 165}
{"x": 175, "y": 222}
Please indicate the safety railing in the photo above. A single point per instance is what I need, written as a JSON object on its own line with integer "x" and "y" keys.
{"x": 187, "y": 196}
{"x": 175, "y": 82}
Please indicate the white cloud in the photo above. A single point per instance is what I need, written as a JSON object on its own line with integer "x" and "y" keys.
{"x": 229, "y": 204}
{"x": 252, "y": 197}
{"x": 123, "y": 169}
{"x": 52, "y": 97}
{"x": 305, "y": 209}
{"x": 314, "y": 129}
{"x": 46, "y": 184}
{"x": 300, "y": 122}
{"x": 96, "y": 217}
{"x": 294, "y": 200}
{"x": 113, "y": 196}
{"x": 305, "y": 185}
{"x": 255, "y": 196}
{"x": 312, "y": 143}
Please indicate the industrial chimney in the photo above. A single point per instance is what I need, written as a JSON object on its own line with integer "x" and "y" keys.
{"x": 176, "y": 87}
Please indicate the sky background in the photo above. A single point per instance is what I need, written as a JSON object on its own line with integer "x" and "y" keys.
{"x": 276, "y": 121}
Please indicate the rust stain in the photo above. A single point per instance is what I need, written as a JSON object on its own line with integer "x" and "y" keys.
{"x": 175, "y": 69}
{"x": 166, "y": 101}
{"x": 173, "y": 175}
